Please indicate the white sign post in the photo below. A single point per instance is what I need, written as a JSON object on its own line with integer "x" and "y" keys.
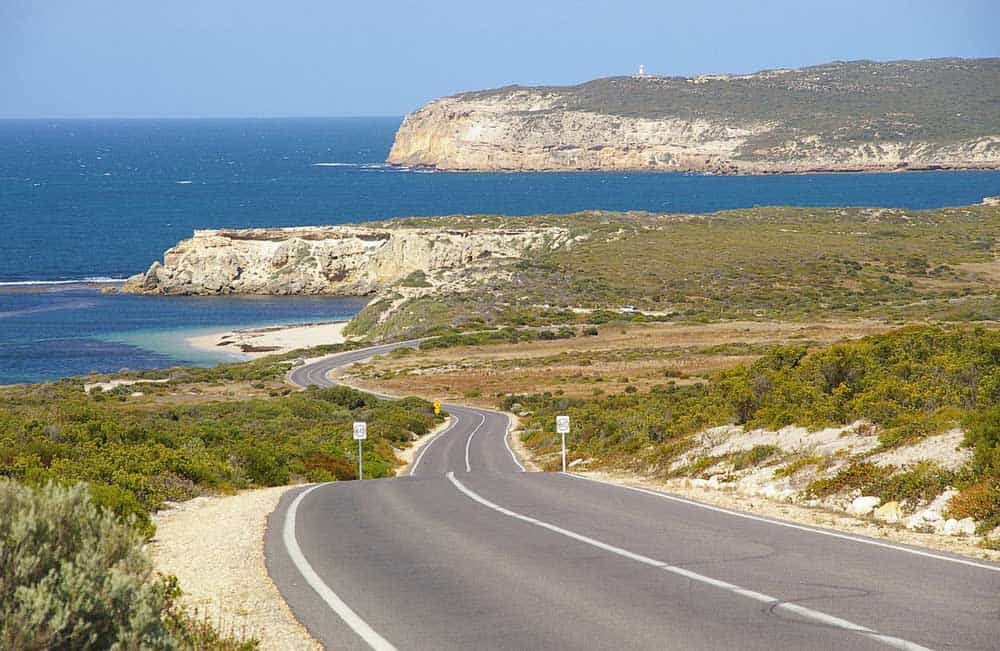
{"x": 360, "y": 434}
{"x": 562, "y": 427}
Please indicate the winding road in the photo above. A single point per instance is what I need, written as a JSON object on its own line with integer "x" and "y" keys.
{"x": 470, "y": 552}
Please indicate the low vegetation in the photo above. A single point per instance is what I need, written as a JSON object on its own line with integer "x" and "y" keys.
{"x": 136, "y": 453}
{"x": 80, "y": 473}
{"x": 849, "y": 103}
{"x": 909, "y": 383}
{"x": 73, "y": 576}
{"x": 773, "y": 263}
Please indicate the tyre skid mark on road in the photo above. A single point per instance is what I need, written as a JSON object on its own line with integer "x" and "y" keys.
{"x": 773, "y": 603}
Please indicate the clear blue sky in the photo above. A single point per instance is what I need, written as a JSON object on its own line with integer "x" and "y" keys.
{"x": 141, "y": 58}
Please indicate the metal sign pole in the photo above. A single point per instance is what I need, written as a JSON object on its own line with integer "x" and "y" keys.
{"x": 564, "y": 452}
{"x": 360, "y": 474}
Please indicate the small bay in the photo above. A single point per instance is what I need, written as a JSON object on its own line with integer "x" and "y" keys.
{"x": 101, "y": 199}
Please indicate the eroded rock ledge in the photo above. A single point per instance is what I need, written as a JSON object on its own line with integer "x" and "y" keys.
{"x": 337, "y": 260}
{"x": 837, "y": 117}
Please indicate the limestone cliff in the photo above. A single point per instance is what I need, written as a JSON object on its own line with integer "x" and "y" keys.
{"x": 341, "y": 260}
{"x": 855, "y": 116}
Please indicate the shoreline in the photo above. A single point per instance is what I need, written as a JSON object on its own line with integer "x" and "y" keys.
{"x": 251, "y": 343}
{"x": 890, "y": 169}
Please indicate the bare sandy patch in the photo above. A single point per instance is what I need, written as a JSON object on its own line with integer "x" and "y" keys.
{"x": 270, "y": 340}
{"x": 988, "y": 271}
{"x": 114, "y": 384}
{"x": 215, "y": 547}
{"x": 520, "y": 449}
{"x": 944, "y": 449}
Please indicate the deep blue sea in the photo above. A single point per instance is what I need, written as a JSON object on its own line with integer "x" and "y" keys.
{"x": 83, "y": 199}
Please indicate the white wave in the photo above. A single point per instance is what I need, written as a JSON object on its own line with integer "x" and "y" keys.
{"x": 337, "y": 165}
{"x": 183, "y": 182}
{"x": 90, "y": 280}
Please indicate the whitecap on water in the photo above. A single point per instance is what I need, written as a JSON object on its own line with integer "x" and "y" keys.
{"x": 76, "y": 281}
{"x": 183, "y": 182}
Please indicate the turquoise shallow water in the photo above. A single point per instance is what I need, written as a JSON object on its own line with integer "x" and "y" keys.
{"x": 103, "y": 198}
{"x": 70, "y": 330}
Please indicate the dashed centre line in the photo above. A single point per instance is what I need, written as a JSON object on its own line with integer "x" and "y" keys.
{"x": 774, "y": 603}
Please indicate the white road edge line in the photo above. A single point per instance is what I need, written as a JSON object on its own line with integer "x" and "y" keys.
{"x": 799, "y": 527}
{"x": 506, "y": 443}
{"x": 351, "y": 618}
{"x": 431, "y": 442}
{"x": 775, "y": 604}
{"x": 468, "y": 442}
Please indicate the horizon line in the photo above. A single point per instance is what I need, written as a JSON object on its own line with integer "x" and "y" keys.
{"x": 195, "y": 117}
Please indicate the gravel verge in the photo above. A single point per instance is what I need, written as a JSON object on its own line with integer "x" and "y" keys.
{"x": 803, "y": 514}
{"x": 215, "y": 547}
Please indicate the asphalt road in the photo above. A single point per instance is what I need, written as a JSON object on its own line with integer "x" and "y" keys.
{"x": 472, "y": 553}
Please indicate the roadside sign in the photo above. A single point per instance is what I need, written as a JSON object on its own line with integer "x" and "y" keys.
{"x": 562, "y": 427}
{"x": 437, "y": 407}
{"x": 360, "y": 434}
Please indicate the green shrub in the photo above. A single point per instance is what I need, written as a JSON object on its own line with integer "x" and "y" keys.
{"x": 124, "y": 505}
{"x": 982, "y": 432}
{"x": 862, "y": 476}
{"x": 416, "y": 279}
{"x": 73, "y": 576}
{"x": 136, "y": 457}
{"x": 755, "y": 456}
{"x": 265, "y": 465}
{"x": 797, "y": 464}
{"x": 925, "y": 481}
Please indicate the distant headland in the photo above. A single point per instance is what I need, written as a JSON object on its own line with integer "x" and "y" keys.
{"x": 837, "y": 117}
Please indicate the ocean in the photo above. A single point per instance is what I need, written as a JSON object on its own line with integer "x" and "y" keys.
{"x": 101, "y": 199}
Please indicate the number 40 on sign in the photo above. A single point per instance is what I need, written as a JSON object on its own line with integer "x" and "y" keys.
{"x": 360, "y": 431}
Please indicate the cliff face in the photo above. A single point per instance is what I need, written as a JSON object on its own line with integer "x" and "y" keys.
{"x": 838, "y": 117}
{"x": 340, "y": 260}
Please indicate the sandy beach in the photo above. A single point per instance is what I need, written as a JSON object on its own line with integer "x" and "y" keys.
{"x": 269, "y": 340}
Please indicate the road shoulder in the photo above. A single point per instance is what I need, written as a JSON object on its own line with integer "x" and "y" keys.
{"x": 215, "y": 547}
{"x": 786, "y": 511}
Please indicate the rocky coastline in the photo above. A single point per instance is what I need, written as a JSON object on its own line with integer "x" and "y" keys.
{"x": 335, "y": 260}
{"x": 841, "y": 117}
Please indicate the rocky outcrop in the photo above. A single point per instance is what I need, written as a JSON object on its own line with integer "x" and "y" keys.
{"x": 340, "y": 260}
{"x": 858, "y": 116}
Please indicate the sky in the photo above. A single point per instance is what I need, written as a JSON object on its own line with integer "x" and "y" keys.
{"x": 269, "y": 58}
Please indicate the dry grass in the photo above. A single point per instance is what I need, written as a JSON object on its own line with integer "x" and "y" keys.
{"x": 640, "y": 355}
